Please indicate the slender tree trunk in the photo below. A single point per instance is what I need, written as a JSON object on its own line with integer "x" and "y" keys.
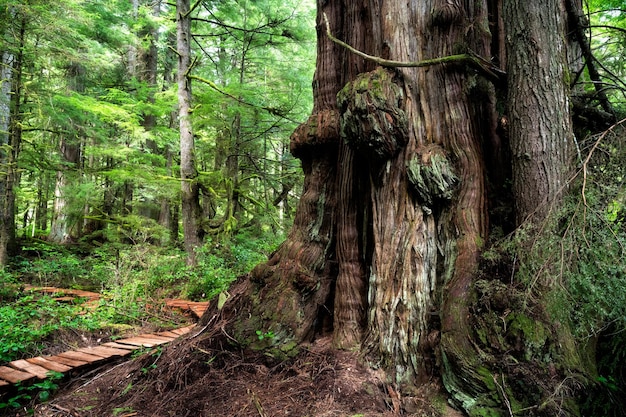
{"x": 12, "y": 68}
{"x": 170, "y": 208}
{"x": 6, "y": 195}
{"x": 43, "y": 194}
{"x": 64, "y": 224}
{"x": 191, "y": 210}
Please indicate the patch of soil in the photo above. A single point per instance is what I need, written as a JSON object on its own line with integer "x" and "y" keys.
{"x": 193, "y": 377}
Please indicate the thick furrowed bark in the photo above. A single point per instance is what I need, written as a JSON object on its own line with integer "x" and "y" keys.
{"x": 350, "y": 305}
{"x": 288, "y": 297}
{"x": 396, "y": 236}
{"x": 538, "y": 106}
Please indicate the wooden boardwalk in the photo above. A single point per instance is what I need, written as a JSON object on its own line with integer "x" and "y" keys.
{"x": 23, "y": 370}
{"x": 38, "y": 367}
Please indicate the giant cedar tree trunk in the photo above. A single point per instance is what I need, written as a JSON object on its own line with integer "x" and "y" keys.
{"x": 393, "y": 209}
{"x": 386, "y": 239}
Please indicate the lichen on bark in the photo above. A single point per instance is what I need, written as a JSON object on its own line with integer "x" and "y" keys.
{"x": 432, "y": 177}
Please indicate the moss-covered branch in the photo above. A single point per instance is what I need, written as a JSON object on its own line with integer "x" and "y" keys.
{"x": 476, "y": 61}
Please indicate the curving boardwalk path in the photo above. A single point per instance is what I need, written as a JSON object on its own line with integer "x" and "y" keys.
{"x": 38, "y": 367}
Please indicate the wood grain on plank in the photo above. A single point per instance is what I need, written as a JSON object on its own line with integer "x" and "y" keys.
{"x": 48, "y": 364}
{"x": 104, "y": 351}
{"x": 121, "y": 346}
{"x": 80, "y": 356}
{"x": 23, "y": 365}
{"x": 66, "y": 361}
{"x": 13, "y": 375}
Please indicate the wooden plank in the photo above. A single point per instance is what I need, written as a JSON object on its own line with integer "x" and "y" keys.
{"x": 104, "y": 351}
{"x": 66, "y": 361}
{"x": 13, "y": 375}
{"x": 162, "y": 339}
{"x": 157, "y": 337}
{"x": 48, "y": 364}
{"x": 168, "y": 334}
{"x": 23, "y": 365}
{"x": 84, "y": 294}
{"x": 80, "y": 356}
{"x": 138, "y": 343}
{"x": 177, "y": 303}
{"x": 198, "y": 310}
{"x": 116, "y": 345}
{"x": 143, "y": 341}
{"x": 3, "y": 383}
{"x": 183, "y": 330}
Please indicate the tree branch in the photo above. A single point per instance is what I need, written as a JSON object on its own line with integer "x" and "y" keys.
{"x": 471, "y": 58}
{"x": 272, "y": 110}
{"x": 574, "y": 15}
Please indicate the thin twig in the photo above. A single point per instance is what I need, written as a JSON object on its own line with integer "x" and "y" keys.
{"x": 507, "y": 402}
{"x": 593, "y": 148}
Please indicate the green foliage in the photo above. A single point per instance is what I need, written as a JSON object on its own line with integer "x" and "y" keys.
{"x": 220, "y": 263}
{"x": 264, "y": 335}
{"x": 43, "y": 389}
{"x": 575, "y": 262}
{"x": 8, "y": 286}
{"x": 52, "y": 265}
{"x": 29, "y": 319}
{"x": 608, "y": 41}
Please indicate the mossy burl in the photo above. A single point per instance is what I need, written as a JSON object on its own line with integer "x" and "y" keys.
{"x": 373, "y": 121}
{"x": 432, "y": 176}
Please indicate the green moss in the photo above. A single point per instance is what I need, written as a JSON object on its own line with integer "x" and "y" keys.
{"x": 486, "y": 412}
{"x": 487, "y": 377}
{"x": 373, "y": 121}
{"x": 432, "y": 177}
{"x": 533, "y": 333}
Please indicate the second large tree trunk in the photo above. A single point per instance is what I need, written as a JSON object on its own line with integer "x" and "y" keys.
{"x": 537, "y": 106}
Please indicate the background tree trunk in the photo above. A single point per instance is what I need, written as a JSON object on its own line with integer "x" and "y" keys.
{"x": 63, "y": 224}
{"x": 538, "y": 106}
{"x": 12, "y": 68}
{"x": 6, "y": 196}
{"x": 191, "y": 210}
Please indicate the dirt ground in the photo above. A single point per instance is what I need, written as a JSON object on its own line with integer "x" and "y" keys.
{"x": 193, "y": 377}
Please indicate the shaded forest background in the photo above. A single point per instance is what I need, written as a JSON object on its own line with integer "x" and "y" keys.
{"x": 90, "y": 182}
{"x": 90, "y": 159}
{"x": 90, "y": 130}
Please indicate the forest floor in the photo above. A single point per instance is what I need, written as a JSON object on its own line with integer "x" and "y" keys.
{"x": 198, "y": 376}
{"x": 319, "y": 382}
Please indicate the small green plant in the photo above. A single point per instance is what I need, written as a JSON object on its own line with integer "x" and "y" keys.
{"x": 119, "y": 410}
{"x": 264, "y": 335}
{"x": 9, "y": 287}
{"x": 127, "y": 389}
{"x": 148, "y": 368}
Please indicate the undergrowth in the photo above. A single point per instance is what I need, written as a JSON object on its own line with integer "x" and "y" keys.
{"x": 134, "y": 281}
{"x": 574, "y": 265}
